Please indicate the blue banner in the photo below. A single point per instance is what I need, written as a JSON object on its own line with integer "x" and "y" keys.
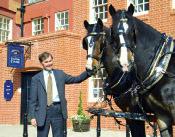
{"x": 15, "y": 56}
{"x": 8, "y": 90}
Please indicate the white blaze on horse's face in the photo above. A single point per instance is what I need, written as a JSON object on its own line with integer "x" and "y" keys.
{"x": 90, "y": 53}
{"x": 123, "y": 27}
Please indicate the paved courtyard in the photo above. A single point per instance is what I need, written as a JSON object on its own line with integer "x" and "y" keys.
{"x": 17, "y": 131}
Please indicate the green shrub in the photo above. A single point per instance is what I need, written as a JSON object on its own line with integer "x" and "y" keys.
{"x": 80, "y": 116}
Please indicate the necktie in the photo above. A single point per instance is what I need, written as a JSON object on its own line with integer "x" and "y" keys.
{"x": 49, "y": 90}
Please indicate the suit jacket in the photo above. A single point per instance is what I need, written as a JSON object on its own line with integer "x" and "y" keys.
{"x": 38, "y": 94}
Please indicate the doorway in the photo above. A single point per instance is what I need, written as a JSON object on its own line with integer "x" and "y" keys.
{"x": 25, "y": 92}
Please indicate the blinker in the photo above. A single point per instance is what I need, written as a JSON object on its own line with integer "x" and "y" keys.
{"x": 91, "y": 43}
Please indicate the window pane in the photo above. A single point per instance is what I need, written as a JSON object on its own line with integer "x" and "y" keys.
{"x": 105, "y": 7}
{"x": 140, "y": 1}
{"x": 106, "y": 14}
{"x": 3, "y": 38}
{"x": 38, "y": 27}
{"x": 140, "y": 8}
{"x": 95, "y": 93}
{"x": 96, "y": 17}
{"x": 4, "y": 26}
{"x": 99, "y": 2}
{"x": 95, "y": 2}
{"x": 66, "y": 15}
{"x": 62, "y": 15}
{"x": 95, "y": 83}
{"x": 100, "y": 83}
{"x": 101, "y": 15}
{"x": 96, "y": 10}
{"x": 8, "y": 26}
{"x": 104, "y": 1}
{"x": 146, "y": 6}
{"x": 58, "y": 16}
{"x": 5, "y": 21}
{"x": 101, "y": 9}
{"x": 42, "y": 26}
{"x": 100, "y": 93}
{"x": 66, "y": 21}
{"x": 133, "y": 2}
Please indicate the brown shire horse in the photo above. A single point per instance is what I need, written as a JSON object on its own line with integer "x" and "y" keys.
{"x": 153, "y": 61}
{"x": 101, "y": 48}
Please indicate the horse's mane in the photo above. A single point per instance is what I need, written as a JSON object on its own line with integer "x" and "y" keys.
{"x": 151, "y": 35}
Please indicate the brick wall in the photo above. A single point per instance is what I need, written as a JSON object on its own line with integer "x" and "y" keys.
{"x": 10, "y": 110}
{"x": 47, "y": 10}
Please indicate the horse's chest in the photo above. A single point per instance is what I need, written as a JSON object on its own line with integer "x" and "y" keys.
{"x": 169, "y": 99}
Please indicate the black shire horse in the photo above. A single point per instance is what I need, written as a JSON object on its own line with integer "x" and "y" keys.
{"x": 153, "y": 62}
{"x": 101, "y": 48}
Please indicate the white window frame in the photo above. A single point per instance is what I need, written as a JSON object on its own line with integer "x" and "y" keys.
{"x": 33, "y": 1}
{"x": 97, "y": 90}
{"x": 137, "y": 13}
{"x": 173, "y": 4}
{"x": 6, "y": 28}
{"x": 60, "y": 23}
{"x": 92, "y": 14}
{"x": 41, "y": 29}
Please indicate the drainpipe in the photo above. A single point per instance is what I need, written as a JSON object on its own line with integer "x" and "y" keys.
{"x": 22, "y": 11}
{"x": 25, "y": 121}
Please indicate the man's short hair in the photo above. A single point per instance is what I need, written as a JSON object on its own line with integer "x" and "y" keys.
{"x": 43, "y": 56}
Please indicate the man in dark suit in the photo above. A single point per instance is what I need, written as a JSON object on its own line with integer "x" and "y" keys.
{"x": 48, "y": 105}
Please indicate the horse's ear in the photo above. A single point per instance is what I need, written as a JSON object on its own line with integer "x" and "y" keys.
{"x": 131, "y": 9}
{"x": 112, "y": 10}
{"x": 100, "y": 22}
{"x": 86, "y": 24}
{"x": 84, "y": 44}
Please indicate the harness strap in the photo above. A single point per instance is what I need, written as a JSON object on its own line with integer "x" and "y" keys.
{"x": 110, "y": 105}
{"x": 94, "y": 57}
{"x": 160, "y": 65}
{"x": 157, "y": 57}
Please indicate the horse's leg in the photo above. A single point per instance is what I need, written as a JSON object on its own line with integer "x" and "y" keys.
{"x": 165, "y": 127}
{"x": 137, "y": 128}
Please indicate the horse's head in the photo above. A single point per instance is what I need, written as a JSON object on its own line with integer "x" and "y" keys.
{"x": 124, "y": 34}
{"x": 94, "y": 44}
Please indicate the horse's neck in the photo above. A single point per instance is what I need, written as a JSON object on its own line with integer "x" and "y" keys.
{"x": 147, "y": 41}
{"x": 146, "y": 35}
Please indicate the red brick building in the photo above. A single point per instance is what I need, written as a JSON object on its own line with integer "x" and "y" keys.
{"x": 57, "y": 27}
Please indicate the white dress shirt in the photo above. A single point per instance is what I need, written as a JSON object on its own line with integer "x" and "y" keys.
{"x": 56, "y": 97}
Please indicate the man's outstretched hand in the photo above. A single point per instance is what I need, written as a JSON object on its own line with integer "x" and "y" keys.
{"x": 90, "y": 72}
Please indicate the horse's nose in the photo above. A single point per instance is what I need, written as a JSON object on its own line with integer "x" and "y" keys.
{"x": 89, "y": 66}
{"x": 125, "y": 68}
